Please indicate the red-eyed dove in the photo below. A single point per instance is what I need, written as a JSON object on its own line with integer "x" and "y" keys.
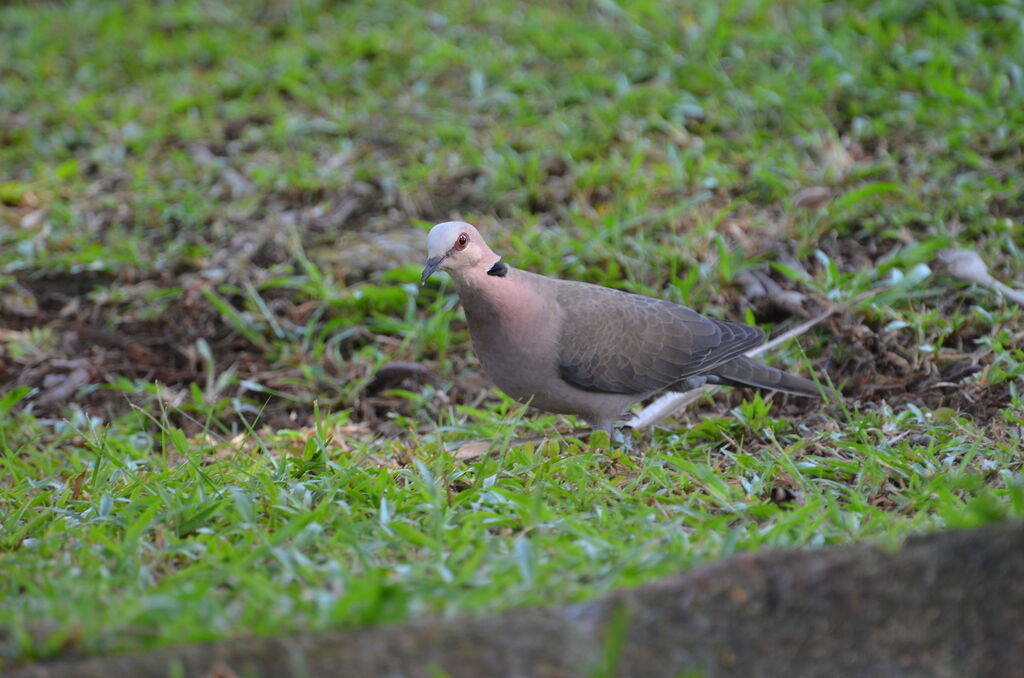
{"x": 575, "y": 348}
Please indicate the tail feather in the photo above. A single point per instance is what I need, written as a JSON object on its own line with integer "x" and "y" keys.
{"x": 745, "y": 371}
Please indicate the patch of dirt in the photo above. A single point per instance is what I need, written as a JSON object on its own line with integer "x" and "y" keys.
{"x": 70, "y": 337}
{"x": 870, "y": 362}
{"x": 875, "y": 365}
{"x": 72, "y": 349}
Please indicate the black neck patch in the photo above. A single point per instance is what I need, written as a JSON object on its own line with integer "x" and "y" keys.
{"x": 499, "y": 269}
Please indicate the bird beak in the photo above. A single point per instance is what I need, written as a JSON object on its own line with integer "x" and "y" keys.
{"x": 432, "y": 265}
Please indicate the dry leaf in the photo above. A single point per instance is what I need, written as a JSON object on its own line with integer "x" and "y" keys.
{"x": 811, "y": 197}
{"x": 473, "y": 450}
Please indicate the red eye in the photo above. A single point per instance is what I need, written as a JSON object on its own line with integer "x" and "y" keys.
{"x": 461, "y": 241}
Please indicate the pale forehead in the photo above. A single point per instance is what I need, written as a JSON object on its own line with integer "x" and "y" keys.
{"x": 443, "y": 235}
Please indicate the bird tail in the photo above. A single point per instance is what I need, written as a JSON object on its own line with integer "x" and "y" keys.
{"x": 744, "y": 371}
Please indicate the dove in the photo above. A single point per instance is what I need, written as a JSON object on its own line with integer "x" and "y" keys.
{"x": 576, "y": 348}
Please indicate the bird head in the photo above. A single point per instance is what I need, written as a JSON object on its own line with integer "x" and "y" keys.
{"x": 455, "y": 246}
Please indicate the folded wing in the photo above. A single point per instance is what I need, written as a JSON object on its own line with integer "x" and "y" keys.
{"x": 615, "y": 342}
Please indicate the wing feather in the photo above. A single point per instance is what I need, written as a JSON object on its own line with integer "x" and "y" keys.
{"x": 616, "y": 342}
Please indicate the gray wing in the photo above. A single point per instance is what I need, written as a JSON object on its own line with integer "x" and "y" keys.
{"x": 615, "y": 342}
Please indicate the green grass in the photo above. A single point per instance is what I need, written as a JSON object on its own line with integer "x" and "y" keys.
{"x": 237, "y": 194}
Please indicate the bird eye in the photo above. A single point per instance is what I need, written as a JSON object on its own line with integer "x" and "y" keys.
{"x": 461, "y": 241}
